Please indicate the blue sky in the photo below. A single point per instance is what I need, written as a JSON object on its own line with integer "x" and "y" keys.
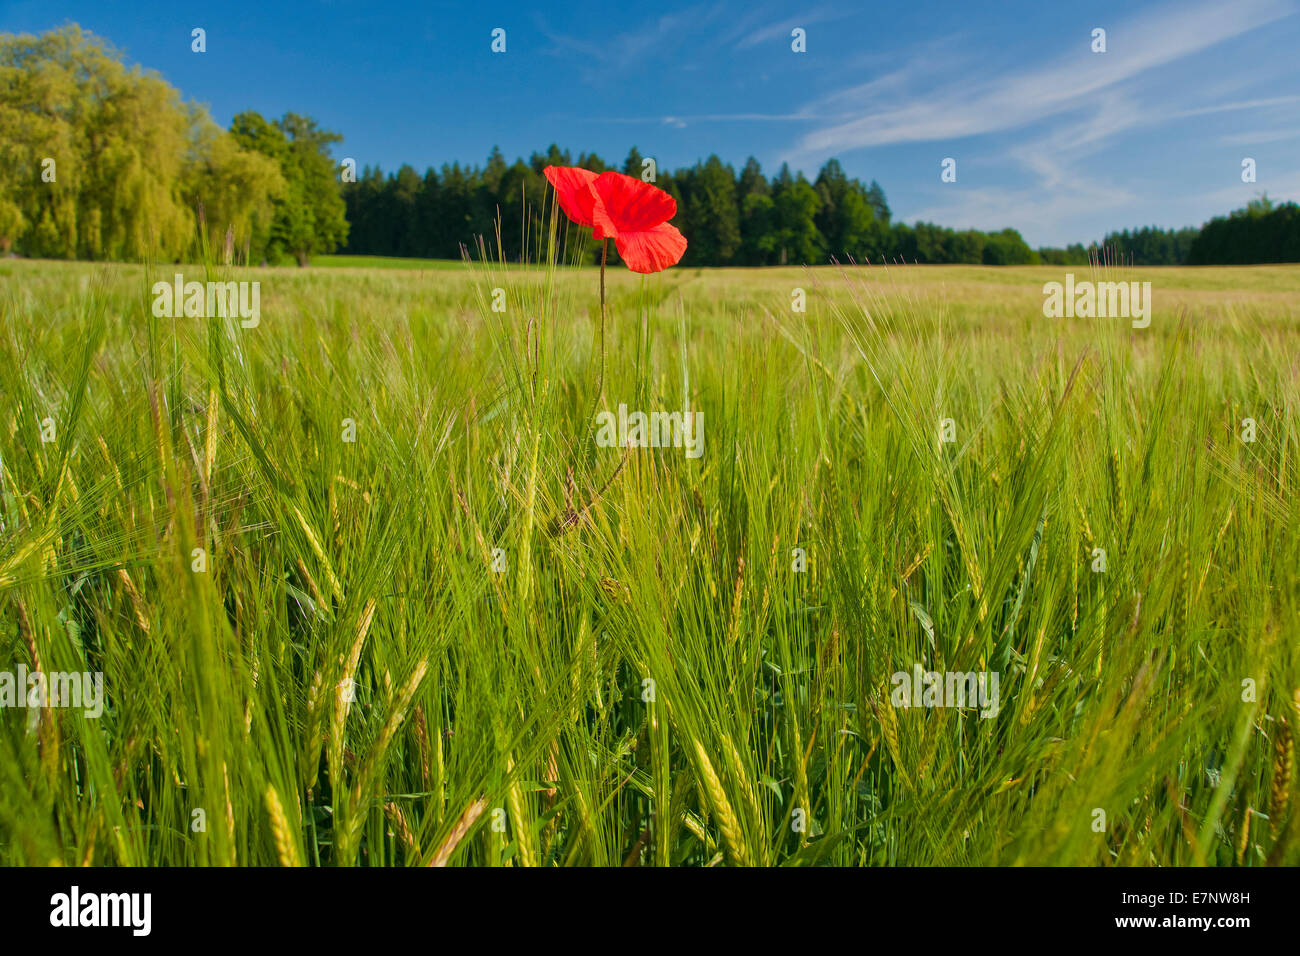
{"x": 1057, "y": 141}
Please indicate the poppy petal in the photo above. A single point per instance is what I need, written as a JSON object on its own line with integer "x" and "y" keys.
{"x": 574, "y": 192}
{"x": 604, "y": 226}
{"x": 651, "y": 250}
{"x": 633, "y": 206}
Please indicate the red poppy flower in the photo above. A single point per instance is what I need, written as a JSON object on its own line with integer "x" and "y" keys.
{"x": 632, "y": 213}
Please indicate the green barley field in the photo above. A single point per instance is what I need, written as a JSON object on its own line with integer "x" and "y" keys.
{"x": 364, "y": 588}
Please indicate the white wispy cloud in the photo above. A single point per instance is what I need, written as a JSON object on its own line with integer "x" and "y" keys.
{"x": 778, "y": 27}
{"x": 1235, "y": 107}
{"x": 631, "y": 47}
{"x": 1015, "y": 100}
{"x": 1257, "y": 137}
{"x": 1052, "y": 119}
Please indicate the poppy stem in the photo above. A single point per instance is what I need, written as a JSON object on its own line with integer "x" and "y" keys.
{"x": 600, "y": 383}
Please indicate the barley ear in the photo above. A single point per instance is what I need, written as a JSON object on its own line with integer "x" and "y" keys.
{"x": 721, "y": 808}
{"x": 285, "y": 845}
{"x": 462, "y": 827}
{"x": 1279, "y": 798}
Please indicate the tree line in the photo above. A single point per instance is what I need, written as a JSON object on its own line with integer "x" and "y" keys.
{"x": 103, "y": 161}
{"x": 1262, "y": 231}
{"x": 729, "y": 218}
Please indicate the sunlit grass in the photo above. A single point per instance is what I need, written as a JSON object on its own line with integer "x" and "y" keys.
{"x": 507, "y": 717}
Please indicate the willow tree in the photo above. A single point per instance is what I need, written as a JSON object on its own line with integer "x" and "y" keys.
{"x": 100, "y": 160}
{"x": 236, "y": 190}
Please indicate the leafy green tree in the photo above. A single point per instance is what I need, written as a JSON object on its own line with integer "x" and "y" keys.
{"x": 553, "y": 156}
{"x": 310, "y": 214}
{"x": 712, "y": 216}
{"x": 930, "y": 243}
{"x": 1007, "y": 248}
{"x": 797, "y": 206}
{"x": 91, "y": 152}
{"x": 235, "y": 188}
{"x": 632, "y": 166}
{"x": 594, "y": 163}
{"x": 367, "y": 230}
{"x": 1262, "y": 231}
{"x": 494, "y": 172}
{"x": 523, "y": 192}
{"x": 846, "y": 214}
{"x": 760, "y": 242}
{"x": 902, "y": 243}
{"x": 757, "y": 212}
{"x": 1072, "y": 255}
{"x": 12, "y": 224}
{"x": 102, "y": 161}
{"x": 966, "y": 247}
{"x": 313, "y": 183}
{"x": 876, "y": 197}
{"x": 424, "y": 230}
